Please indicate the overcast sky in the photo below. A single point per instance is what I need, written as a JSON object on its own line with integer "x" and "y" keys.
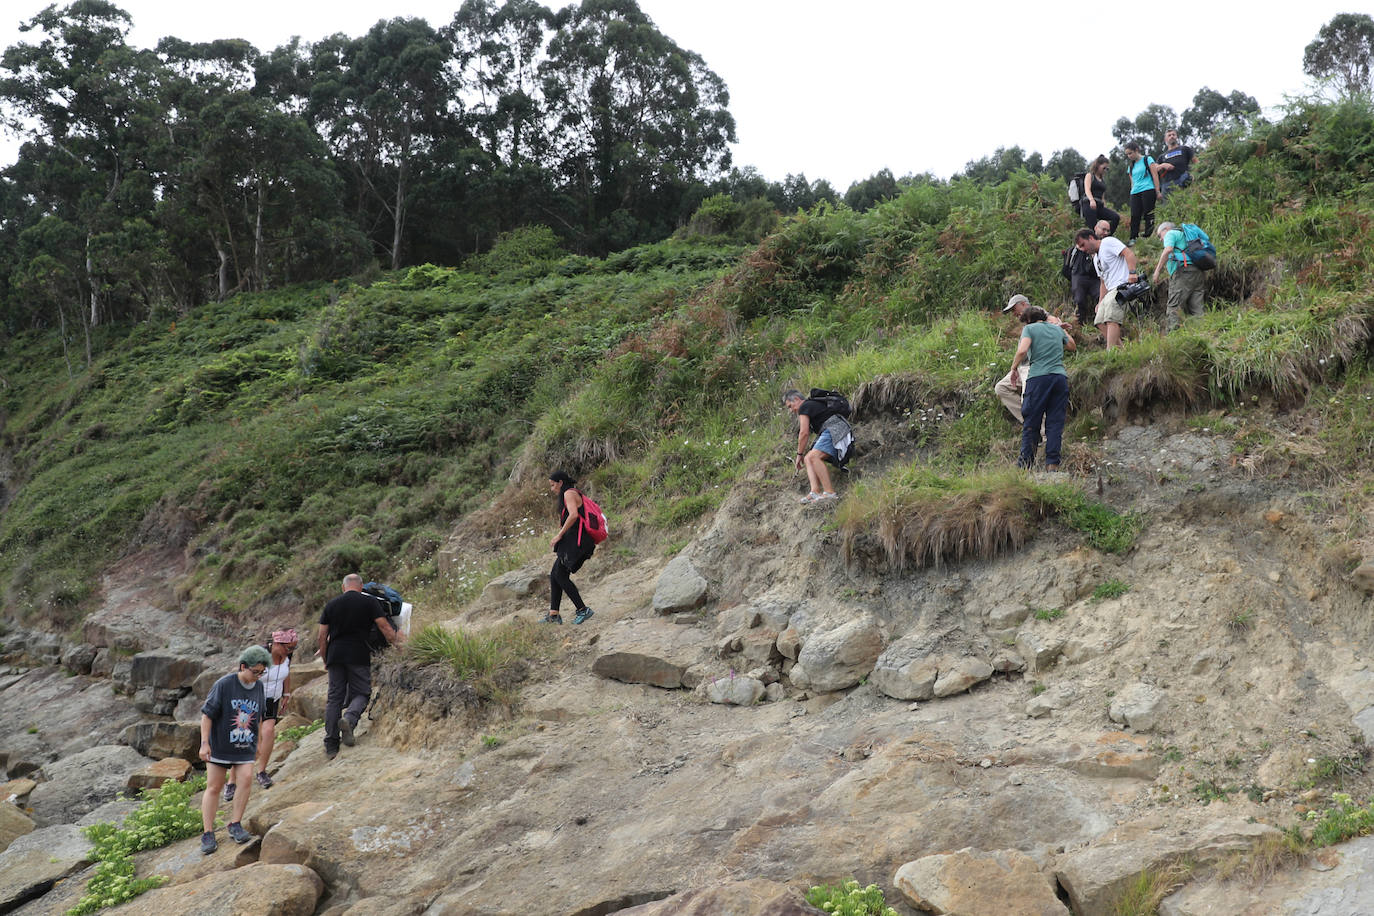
{"x": 841, "y": 90}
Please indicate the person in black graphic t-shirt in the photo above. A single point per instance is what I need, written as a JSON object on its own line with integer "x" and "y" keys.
{"x": 1175, "y": 165}
{"x": 344, "y": 626}
{"x": 229, "y": 723}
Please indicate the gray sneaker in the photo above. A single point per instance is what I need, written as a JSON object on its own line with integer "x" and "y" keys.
{"x": 346, "y": 726}
{"x": 208, "y": 843}
{"x": 237, "y": 833}
{"x": 229, "y": 791}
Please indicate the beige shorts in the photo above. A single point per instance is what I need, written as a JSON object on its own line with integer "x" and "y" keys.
{"x": 1110, "y": 310}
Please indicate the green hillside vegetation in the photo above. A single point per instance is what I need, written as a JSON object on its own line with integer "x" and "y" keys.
{"x": 289, "y": 437}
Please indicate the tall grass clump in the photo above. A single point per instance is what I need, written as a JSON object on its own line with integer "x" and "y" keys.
{"x": 1102, "y": 526}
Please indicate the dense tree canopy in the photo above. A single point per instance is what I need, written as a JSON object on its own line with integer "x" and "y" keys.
{"x": 163, "y": 178}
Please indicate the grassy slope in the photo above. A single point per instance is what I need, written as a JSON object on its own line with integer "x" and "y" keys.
{"x": 308, "y": 432}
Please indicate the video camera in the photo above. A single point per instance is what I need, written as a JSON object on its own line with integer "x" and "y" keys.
{"x": 1133, "y": 292}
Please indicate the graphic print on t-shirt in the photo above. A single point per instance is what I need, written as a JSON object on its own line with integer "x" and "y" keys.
{"x": 242, "y": 733}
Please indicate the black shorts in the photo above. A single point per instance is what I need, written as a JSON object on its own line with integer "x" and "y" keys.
{"x": 270, "y": 709}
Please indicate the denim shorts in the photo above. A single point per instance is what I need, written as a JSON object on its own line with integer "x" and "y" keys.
{"x": 826, "y": 443}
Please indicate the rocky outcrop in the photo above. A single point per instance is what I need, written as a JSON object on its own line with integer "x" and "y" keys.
{"x": 46, "y": 714}
{"x": 1097, "y": 876}
{"x": 77, "y": 784}
{"x": 971, "y": 882}
{"x": 732, "y": 690}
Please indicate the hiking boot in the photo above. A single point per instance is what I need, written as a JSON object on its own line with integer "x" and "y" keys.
{"x": 238, "y": 834}
{"x": 330, "y": 753}
{"x": 346, "y": 726}
{"x": 208, "y": 843}
{"x": 264, "y": 780}
{"x": 229, "y": 792}
{"x": 583, "y": 615}
{"x": 551, "y": 618}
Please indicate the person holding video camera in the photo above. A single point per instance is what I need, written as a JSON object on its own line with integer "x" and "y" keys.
{"x": 1116, "y": 268}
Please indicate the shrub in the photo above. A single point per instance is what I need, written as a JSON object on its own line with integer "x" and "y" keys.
{"x": 848, "y": 899}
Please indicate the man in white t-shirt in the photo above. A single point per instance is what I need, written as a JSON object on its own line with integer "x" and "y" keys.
{"x": 1115, "y": 264}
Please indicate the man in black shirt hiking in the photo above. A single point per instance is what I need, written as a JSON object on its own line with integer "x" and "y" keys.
{"x": 344, "y": 626}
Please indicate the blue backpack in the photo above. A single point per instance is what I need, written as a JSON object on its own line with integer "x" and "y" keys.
{"x": 1197, "y": 248}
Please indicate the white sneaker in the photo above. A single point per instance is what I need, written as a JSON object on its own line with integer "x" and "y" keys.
{"x": 809, "y": 498}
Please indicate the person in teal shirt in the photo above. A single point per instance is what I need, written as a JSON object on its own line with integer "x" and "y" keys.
{"x": 1185, "y": 280}
{"x": 1045, "y": 397}
{"x": 1144, "y": 189}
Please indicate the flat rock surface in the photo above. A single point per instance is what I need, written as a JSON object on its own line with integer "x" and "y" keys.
{"x": 82, "y": 782}
{"x": 35, "y": 861}
{"x": 48, "y": 714}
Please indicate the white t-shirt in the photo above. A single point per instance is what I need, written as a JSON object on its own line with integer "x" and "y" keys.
{"x": 274, "y": 678}
{"x": 1109, "y": 263}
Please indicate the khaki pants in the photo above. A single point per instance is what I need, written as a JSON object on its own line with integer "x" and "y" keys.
{"x": 1185, "y": 296}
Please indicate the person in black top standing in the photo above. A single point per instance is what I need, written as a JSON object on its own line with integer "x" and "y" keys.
{"x": 344, "y": 626}
{"x": 1175, "y": 164}
{"x": 571, "y": 547}
{"x": 1092, "y": 206}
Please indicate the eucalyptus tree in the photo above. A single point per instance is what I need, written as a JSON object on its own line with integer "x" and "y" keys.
{"x": 497, "y": 51}
{"x": 251, "y": 181}
{"x": 1212, "y": 111}
{"x": 87, "y": 105}
{"x": 635, "y": 121}
{"x": 384, "y": 101}
{"x": 1343, "y": 52}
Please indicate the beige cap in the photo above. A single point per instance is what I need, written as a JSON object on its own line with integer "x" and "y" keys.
{"x": 1014, "y": 301}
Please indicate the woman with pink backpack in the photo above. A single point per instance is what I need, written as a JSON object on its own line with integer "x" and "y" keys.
{"x": 572, "y": 545}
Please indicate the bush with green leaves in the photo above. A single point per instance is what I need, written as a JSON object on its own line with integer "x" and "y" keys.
{"x": 165, "y": 816}
{"x": 849, "y": 899}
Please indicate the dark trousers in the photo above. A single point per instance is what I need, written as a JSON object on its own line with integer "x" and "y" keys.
{"x": 1143, "y": 204}
{"x": 1092, "y": 214}
{"x": 350, "y": 685}
{"x": 1046, "y": 399}
{"x": 1085, "y": 290}
{"x": 560, "y": 581}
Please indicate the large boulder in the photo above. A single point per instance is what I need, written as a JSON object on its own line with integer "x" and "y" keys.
{"x": 837, "y": 658}
{"x": 161, "y": 668}
{"x": 34, "y": 862}
{"x": 77, "y": 784}
{"x": 1138, "y": 706}
{"x": 733, "y": 690}
{"x": 309, "y": 700}
{"x": 1096, "y": 876}
{"x": 254, "y": 890}
{"x": 756, "y": 897}
{"x": 13, "y": 824}
{"x": 962, "y": 674}
{"x": 516, "y": 584}
{"x": 172, "y": 769}
{"x": 650, "y": 651}
{"x": 906, "y": 670}
{"x": 680, "y": 587}
{"x": 971, "y": 882}
{"x": 164, "y": 739}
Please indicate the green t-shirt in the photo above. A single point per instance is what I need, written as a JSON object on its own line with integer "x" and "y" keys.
{"x": 1046, "y": 350}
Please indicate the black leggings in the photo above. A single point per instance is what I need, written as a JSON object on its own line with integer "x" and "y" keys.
{"x": 1142, "y": 204}
{"x": 560, "y": 581}
{"x": 1092, "y": 214}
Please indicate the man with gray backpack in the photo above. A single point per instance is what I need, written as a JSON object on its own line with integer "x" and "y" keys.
{"x": 1188, "y": 254}
{"x": 825, "y": 413}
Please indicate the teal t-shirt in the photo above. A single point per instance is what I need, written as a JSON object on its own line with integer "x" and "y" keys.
{"x": 1174, "y": 239}
{"x": 1046, "y": 350}
{"x": 1140, "y": 175}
